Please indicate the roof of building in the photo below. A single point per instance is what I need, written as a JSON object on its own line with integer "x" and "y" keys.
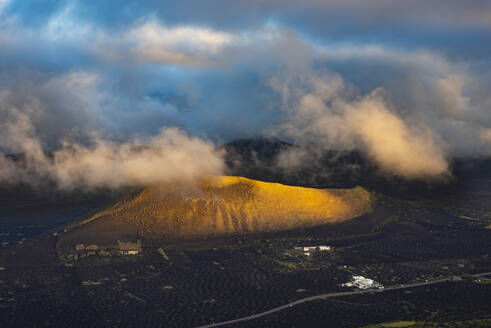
{"x": 129, "y": 246}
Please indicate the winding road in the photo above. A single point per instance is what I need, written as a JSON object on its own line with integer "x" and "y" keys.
{"x": 338, "y": 294}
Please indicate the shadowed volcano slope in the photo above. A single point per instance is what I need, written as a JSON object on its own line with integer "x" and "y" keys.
{"x": 225, "y": 205}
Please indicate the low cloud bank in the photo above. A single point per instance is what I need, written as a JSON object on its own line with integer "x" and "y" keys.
{"x": 172, "y": 155}
{"x": 322, "y": 110}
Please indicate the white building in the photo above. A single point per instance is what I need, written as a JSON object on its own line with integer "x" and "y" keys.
{"x": 319, "y": 248}
{"x": 363, "y": 283}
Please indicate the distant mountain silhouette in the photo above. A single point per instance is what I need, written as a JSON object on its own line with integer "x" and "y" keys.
{"x": 260, "y": 158}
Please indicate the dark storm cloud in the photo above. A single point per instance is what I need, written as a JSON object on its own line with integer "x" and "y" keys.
{"x": 117, "y": 70}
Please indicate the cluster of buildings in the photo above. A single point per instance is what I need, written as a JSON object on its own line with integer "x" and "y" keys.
{"x": 363, "y": 283}
{"x": 82, "y": 251}
{"x": 308, "y": 250}
{"x": 123, "y": 248}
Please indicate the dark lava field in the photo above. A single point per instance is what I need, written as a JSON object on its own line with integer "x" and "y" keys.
{"x": 435, "y": 238}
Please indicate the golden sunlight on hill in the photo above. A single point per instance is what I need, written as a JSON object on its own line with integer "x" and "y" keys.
{"x": 226, "y": 205}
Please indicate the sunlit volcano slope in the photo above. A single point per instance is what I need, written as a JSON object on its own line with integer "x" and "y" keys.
{"x": 226, "y": 205}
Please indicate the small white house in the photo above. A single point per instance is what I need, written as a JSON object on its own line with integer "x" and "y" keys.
{"x": 129, "y": 248}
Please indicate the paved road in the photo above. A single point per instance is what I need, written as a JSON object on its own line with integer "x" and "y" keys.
{"x": 330, "y": 295}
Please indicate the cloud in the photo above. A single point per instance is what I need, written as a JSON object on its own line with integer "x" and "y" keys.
{"x": 485, "y": 134}
{"x": 171, "y": 155}
{"x": 321, "y": 111}
{"x": 246, "y": 13}
{"x": 397, "y": 147}
{"x": 123, "y": 71}
{"x": 78, "y": 103}
{"x": 152, "y": 42}
{"x": 17, "y": 134}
